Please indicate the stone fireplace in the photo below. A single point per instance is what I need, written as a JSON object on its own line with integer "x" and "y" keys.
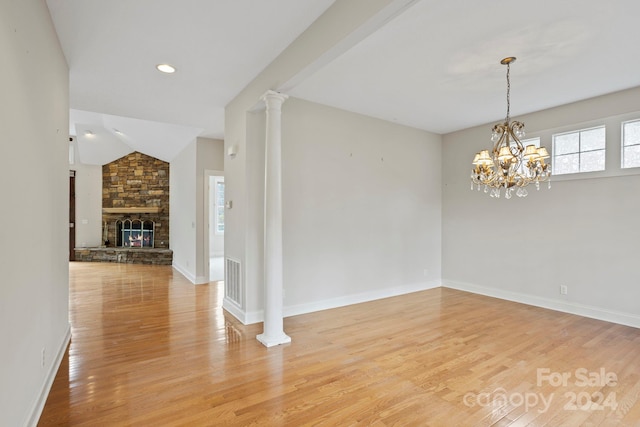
{"x": 135, "y": 212}
{"x": 136, "y": 188}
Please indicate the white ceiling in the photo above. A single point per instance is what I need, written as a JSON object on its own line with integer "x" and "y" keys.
{"x": 218, "y": 47}
{"x": 437, "y": 66}
{"x": 103, "y": 138}
{"x": 434, "y": 67}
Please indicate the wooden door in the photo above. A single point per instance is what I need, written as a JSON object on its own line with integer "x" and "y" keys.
{"x": 72, "y": 215}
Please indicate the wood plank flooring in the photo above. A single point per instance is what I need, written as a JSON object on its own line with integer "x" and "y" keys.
{"x": 150, "y": 349}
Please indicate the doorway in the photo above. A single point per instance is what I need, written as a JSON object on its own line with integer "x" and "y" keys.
{"x": 216, "y": 211}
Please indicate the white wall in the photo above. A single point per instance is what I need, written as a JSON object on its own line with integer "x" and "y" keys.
{"x": 88, "y": 205}
{"x": 182, "y": 211}
{"x": 583, "y": 233}
{"x": 34, "y": 118}
{"x": 188, "y": 226}
{"x": 254, "y": 213}
{"x": 361, "y": 208}
{"x": 341, "y": 26}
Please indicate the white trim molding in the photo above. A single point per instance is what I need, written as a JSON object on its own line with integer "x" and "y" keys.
{"x": 201, "y": 280}
{"x": 190, "y": 277}
{"x": 257, "y": 316}
{"x": 236, "y": 311}
{"x": 38, "y": 406}
{"x": 294, "y": 310}
{"x": 196, "y": 280}
{"x": 621, "y": 318}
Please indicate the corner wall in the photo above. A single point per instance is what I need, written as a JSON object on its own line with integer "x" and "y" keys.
{"x": 361, "y": 209}
{"x": 34, "y": 290}
{"x": 342, "y": 25}
{"x": 182, "y": 211}
{"x": 187, "y": 210}
{"x": 583, "y": 233}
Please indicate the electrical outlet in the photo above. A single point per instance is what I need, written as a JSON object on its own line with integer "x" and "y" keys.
{"x": 425, "y": 272}
{"x": 42, "y": 359}
{"x": 563, "y": 289}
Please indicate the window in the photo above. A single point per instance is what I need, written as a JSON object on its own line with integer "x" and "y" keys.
{"x": 219, "y": 205}
{"x": 531, "y": 141}
{"x": 631, "y": 144}
{"x": 579, "y": 151}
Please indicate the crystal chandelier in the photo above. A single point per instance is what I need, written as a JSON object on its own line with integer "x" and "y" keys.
{"x": 510, "y": 165}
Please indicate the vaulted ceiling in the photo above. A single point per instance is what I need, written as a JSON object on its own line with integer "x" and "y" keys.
{"x": 435, "y": 66}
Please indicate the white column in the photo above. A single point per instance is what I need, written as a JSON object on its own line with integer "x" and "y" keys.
{"x": 273, "y": 332}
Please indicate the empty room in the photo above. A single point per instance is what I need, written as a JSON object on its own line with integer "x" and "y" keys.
{"x": 320, "y": 212}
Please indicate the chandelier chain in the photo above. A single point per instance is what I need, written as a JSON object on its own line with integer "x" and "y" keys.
{"x": 508, "y": 93}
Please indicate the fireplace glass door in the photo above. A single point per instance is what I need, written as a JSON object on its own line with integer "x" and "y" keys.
{"x": 135, "y": 233}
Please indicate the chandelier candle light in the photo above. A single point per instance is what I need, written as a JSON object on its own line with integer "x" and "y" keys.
{"x": 510, "y": 165}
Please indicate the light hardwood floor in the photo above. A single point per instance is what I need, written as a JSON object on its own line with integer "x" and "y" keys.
{"x": 150, "y": 349}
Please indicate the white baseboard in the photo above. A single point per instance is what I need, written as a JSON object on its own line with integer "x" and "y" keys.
{"x": 257, "y": 316}
{"x": 622, "y": 318}
{"x": 235, "y": 310}
{"x": 294, "y": 310}
{"x": 245, "y": 317}
{"x": 252, "y": 317}
{"x": 196, "y": 280}
{"x": 190, "y": 277}
{"x": 38, "y": 406}
{"x": 201, "y": 280}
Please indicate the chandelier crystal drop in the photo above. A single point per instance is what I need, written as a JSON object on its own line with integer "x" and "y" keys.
{"x": 509, "y": 165}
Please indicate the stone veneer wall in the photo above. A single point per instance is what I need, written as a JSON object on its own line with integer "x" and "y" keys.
{"x": 125, "y": 255}
{"x": 133, "y": 181}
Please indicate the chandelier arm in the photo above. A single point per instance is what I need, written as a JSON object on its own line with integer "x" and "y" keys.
{"x": 500, "y": 142}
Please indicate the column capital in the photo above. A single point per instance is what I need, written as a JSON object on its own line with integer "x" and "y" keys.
{"x": 272, "y": 95}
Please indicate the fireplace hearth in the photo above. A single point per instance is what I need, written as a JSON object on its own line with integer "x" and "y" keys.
{"x": 155, "y": 256}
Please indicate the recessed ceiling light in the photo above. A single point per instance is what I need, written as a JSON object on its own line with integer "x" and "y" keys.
{"x": 117, "y": 131}
{"x": 166, "y": 68}
{"x": 88, "y": 133}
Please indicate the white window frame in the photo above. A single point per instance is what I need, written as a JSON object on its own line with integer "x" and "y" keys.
{"x": 623, "y": 144}
{"x": 554, "y": 156}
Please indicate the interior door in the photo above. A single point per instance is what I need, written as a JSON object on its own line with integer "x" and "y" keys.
{"x": 72, "y": 215}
